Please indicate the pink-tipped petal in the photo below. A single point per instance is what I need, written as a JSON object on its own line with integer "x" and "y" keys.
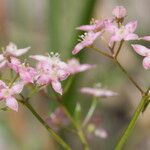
{"x": 57, "y": 87}
{"x": 87, "y": 27}
{"x": 78, "y": 48}
{"x": 141, "y": 50}
{"x": 131, "y": 26}
{"x": 88, "y": 40}
{"x": 12, "y": 103}
{"x": 146, "y": 38}
{"x": 146, "y": 62}
{"x": 131, "y": 36}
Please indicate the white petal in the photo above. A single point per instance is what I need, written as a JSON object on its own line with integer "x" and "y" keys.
{"x": 17, "y": 87}
{"x": 39, "y": 57}
{"x": 141, "y": 50}
{"x": 20, "y": 52}
{"x": 12, "y": 103}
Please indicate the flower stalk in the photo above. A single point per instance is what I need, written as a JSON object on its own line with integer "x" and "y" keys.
{"x": 132, "y": 123}
{"x": 53, "y": 134}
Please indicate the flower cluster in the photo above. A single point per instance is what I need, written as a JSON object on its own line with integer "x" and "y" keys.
{"x": 49, "y": 70}
{"x": 118, "y": 33}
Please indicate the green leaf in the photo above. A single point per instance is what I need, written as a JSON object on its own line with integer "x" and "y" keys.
{"x": 77, "y": 113}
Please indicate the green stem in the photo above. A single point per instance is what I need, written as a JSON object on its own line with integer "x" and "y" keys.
{"x": 130, "y": 78}
{"x": 122, "y": 68}
{"x": 77, "y": 127}
{"x": 54, "y": 135}
{"x": 90, "y": 112}
{"x": 119, "y": 48}
{"x": 102, "y": 53}
{"x": 131, "y": 124}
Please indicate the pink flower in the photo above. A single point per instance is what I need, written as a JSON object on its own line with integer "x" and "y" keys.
{"x": 94, "y": 128}
{"x": 51, "y": 70}
{"x": 14, "y": 64}
{"x": 11, "y": 51}
{"x": 26, "y": 73}
{"x": 98, "y": 92}
{"x": 8, "y": 93}
{"x": 57, "y": 119}
{"x": 75, "y": 67}
{"x": 87, "y": 40}
{"x": 119, "y": 12}
{"x": 143, "y": 51}
{"x": 123, "y": 33}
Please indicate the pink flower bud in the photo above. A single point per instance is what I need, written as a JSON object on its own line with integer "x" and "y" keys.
{"x": 119, "y": 12}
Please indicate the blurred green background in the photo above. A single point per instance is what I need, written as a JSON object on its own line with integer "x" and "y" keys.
{"x": 49, "y": 25}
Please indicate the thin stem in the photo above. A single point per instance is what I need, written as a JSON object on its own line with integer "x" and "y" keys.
{"x": 54, "y": 135}
{"x": 102, "y": 53}
{"x": 11, "y": 83}
{"x": 77, "y": 127}
{"x": 130, "y": 78}
{"x": 122, "y": 68}
{"x": 90, "y": 112}
{"x": 119, "y": 49}
{"x": 131, "y": 124}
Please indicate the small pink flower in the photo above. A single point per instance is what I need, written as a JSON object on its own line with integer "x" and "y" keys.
{"x": 26, "y": 73}
{"x": 51, "y": 70}
{"x": 14, "y": 64}
{"x": 143, "y": 51}
{"x": 75, "y": 67}
{"x": 119, "y": 12}
{"x": 8, "y": 93}
{"x": 123, "y": 33}
{"x": 87, "y": 40}
{"x": 57, "y": 119}
{"x": 93, "y": 128}
{"x": 97, "y": 92}
{"x": 11, "y": 51}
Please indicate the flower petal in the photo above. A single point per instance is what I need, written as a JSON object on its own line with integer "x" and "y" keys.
{"x": 87, "y": 27}
{"x": 57, "y": 86}
{"x": 141, "y": 50}
{"x": 146, "y": 62}
{"x": 17, "y": 87}
{"x": 39, "y": 57}
{"x": 20, "y": 52}
{"x": 131, "y": 36}
{"x": 146, "y": 38}
{"x": 131, "y": 26}
{"x": 12, "y": 103}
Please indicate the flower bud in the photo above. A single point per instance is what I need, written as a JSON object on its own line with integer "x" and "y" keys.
{"x": 119, "y": 12}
